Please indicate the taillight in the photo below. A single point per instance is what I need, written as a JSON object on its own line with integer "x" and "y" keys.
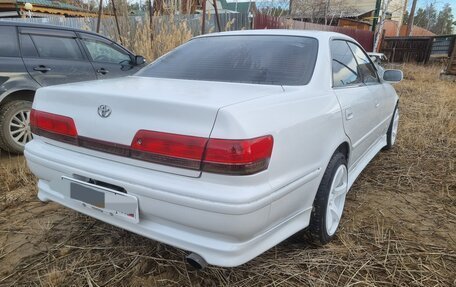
{"x": 170, "y": 149}
{"x": 238, "y": 157}
{"x": 53, "y": 126}
{"x": 223, "y": 156}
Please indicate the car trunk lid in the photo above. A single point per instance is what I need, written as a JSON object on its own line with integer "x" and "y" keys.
{"x": 113, "y": 111}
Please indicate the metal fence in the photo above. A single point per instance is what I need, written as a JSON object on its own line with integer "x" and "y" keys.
{"x": 228, "y": 22}
{"x": 418, "y": 49}
{"x": 364, "y": 37}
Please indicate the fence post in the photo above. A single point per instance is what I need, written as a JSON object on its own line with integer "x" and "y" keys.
{"x": 117, "y": 20}
{"x": 203, "y": 24}
{"x": 100, "y": 9}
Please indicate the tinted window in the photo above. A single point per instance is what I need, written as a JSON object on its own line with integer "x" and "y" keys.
{"x": 102, "y": 52}
{"x": 365, "y": 67}
{"x": 277, "y": 60}
{"x": 8, "y": 42}
{"x": 344, "y": 66}
{"x": 27, "y": 47}
{"x": 57, "y": 47}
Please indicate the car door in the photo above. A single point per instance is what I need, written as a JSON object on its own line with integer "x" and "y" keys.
{"x": 356, "y": 100}
{"x": 108, "y": 59}
{"x": 13, "y": 74}
{"x": 373, "y": 84}
{"x": 54, "y": 57}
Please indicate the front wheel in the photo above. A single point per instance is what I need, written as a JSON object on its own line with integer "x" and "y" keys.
{"x": 15, "y": 126}
{"x": 330, "y": 200}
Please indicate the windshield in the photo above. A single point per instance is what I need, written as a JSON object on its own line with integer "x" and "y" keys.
{"x": 271, "y": 60}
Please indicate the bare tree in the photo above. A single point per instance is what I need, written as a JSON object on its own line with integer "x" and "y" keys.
{"x": 323, "y": 11}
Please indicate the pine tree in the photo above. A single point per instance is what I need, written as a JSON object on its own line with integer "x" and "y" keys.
{"x": 444, "y": 24}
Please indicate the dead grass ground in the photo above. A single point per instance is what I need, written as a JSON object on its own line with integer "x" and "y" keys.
{"x": 399, "y": 226}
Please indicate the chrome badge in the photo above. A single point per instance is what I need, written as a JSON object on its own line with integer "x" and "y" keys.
{"x": 104, "y": 111}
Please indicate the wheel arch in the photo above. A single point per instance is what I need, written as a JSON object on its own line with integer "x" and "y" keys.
{"x": 24, "y": 95}
{"x": 344, "y": 148}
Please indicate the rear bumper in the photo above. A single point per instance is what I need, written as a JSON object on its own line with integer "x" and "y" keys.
{"x": 223, "y": 231}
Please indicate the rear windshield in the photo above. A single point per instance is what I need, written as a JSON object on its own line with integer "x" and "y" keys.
{"x": 270, "y": 60}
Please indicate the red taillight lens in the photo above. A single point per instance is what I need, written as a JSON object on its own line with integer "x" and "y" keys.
{"x": 240, "y": 157}
{"x": 237, "y": 157}
{"x": 53, "y": 126}
{"x": 170, "y": 149}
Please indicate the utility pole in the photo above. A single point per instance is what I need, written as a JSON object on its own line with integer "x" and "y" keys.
{"x": 151, "y": 23}
{"x": 217, "y": 15}
{"x": 100, "y": 9}
{"x": 410, "y": 19}
{"x": 378, "y": 5}
{"x": 117, "y": 20}
{"x": 290, "y": 6}
{"x": 203, "y": 23}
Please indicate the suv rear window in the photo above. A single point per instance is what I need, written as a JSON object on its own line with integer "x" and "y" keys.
{"x": 8, "y": 43}
{"x": 271, "y": 60}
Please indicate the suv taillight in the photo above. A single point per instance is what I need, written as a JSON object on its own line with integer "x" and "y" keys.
{"x": 53, "y": 126}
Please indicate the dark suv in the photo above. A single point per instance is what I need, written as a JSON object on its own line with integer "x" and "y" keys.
{"x": 34, "y": 56}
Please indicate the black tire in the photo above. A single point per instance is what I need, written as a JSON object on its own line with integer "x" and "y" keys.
{"x": 317, "y": 228}
{"x": 389, "y": 134}
{"x": 7, "y": 112}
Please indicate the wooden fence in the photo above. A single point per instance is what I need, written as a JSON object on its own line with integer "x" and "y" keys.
{"x": 365, "y": 38}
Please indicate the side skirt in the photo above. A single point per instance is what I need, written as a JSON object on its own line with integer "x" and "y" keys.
{"x": 355, "y": 171}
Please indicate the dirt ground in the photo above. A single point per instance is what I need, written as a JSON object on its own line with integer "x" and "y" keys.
{"x": 398, "y": 227}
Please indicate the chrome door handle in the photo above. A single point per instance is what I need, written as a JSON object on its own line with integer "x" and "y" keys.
{"x": 348, "y": 114}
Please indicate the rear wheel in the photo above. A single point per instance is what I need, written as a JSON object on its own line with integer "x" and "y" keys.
{"x": 330, "y": 200}
{"x": 15, "y": 126}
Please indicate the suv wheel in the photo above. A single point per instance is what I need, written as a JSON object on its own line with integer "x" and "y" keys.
{"x": 15, "y": 126}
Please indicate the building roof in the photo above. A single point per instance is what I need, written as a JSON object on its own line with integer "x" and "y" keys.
{"x": 53, "y": 4}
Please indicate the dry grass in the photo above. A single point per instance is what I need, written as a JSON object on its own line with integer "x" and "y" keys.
{"x": 398, "y": 228}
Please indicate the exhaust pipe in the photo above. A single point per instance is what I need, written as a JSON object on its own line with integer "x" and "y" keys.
{"x": 196, "y": 261}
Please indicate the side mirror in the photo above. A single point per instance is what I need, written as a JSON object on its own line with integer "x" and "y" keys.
{"x": 393, "y": 76}
{"x": 139, "y": 60}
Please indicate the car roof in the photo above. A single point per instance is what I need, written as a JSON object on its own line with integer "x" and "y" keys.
{"x": 48, "y": 26}
{"x": 320, "y": 35}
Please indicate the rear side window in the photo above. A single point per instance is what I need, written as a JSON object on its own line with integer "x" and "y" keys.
{"x": 365, "y": 67}
{"x": 259, "y": 59}
{"x": 57, "y": 47}
{"x": 344, "y": 66}
{"x": 8, "y": 42}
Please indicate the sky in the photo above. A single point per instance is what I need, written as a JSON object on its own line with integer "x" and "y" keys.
{"x": 437, "y": 3}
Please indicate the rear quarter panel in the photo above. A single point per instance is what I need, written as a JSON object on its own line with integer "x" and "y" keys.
{"x": 307, "y": 128}
{"x": 14, "y": 77}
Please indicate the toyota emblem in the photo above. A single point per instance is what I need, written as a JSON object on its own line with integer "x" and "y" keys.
{"x": 104, "y": 111}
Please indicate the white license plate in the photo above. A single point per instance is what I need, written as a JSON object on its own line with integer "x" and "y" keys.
{"x": 103, "y": 199}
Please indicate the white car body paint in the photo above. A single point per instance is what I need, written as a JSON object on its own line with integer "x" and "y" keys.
{"x": 228, "y": 220}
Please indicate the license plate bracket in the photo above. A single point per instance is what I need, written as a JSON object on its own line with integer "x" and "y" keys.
{"x": 108, "y": 201}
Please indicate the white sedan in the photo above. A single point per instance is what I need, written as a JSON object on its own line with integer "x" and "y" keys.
{"x": 223, "y": 147}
